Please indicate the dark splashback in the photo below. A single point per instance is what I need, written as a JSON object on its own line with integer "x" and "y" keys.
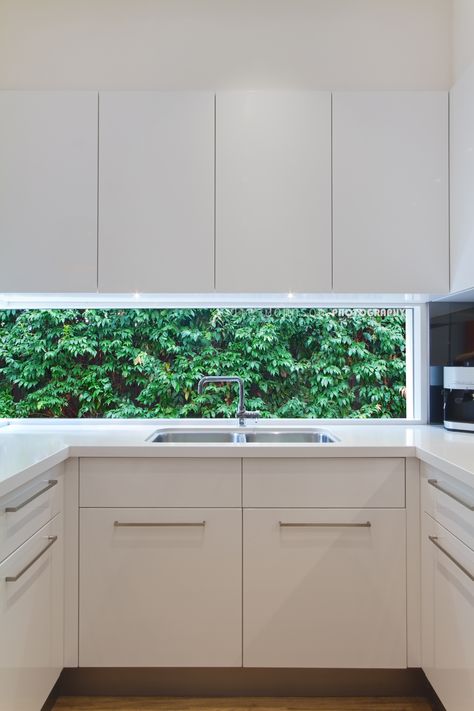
{"x": 451, "y": 343}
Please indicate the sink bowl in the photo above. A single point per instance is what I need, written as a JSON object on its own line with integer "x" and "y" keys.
{"x": 242, "y": 436}
{"x": 197, "y": 436}
{"x": 317, "y": 437}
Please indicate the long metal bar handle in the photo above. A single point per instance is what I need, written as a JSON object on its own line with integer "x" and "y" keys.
{"x": 284, "y": 524}
{"x": 436, "y": 485}
{"x": 159, "y": 525}
{"x": 13, "y": 578}
{"x": 434, "y": 540}
{"x": 14, "y": 509}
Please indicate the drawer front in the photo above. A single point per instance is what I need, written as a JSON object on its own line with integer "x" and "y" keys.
{"x": 450, "y": 502}
{"x": 327, "y": 483}
{"x": 160, "y": 482}
{"x": 26, "y": 509}
{"x": 448, "y": 616}
{"x": 31, "y": 620}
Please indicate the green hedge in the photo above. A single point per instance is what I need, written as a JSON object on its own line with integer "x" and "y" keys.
{"x": 147, "y": 362}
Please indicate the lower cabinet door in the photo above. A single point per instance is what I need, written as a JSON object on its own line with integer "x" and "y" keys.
{"x": 31, "y": 620}
{"x": 160, "y": 587}
{"x": 324, "y": 588}
{"x": 448, "y": 616}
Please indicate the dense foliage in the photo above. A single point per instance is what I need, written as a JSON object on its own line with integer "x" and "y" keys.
{"x": 147, "y": 362}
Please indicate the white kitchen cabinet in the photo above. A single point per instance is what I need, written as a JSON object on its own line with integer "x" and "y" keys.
{"x": 161, "y": 482}
{"x": 390, "y": 192}
{"x": 339, "y": 482}
{"x": 31, "y": 620}
{"x": 322, "y": 589}
{"x": 164, "y": 590}
{"x": 273, "y": 191}
{"x": 26, "y": 509}
{"x": 48, "y": 191}
{"x": 449, "y": 501}
{"x": 448, "y": 615}
{"x": 462, "y": 180}
{"x": 156, "y": 188}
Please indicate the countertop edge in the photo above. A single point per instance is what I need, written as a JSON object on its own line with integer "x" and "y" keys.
{"x": 23, "y": 476}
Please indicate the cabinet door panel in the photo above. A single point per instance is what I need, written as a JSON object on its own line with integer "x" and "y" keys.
{"x": 156, "y": 186}
{"x": 167, "y": 595}
{"x": 273, "y": 191}
{"x": 48, "y": 191}
{"x": 31, "y": 621}
{"x": 448, "y": 616}
{"x": 390, "y": 163}
{"x": 461, "y": 119}
{"x": 317, "y": 596}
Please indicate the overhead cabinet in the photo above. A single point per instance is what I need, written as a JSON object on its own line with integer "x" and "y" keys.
{"x": 48, "y": 191}
{"x": 462, "y": 180}
{"x": 273, "y": 191}
{"x": 240, "y": 192}
{"x": 156, "y": 188}
{"x": 390, "y": 192}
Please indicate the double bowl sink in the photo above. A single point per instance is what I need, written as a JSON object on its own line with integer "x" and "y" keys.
{"x": 241, "y": 435}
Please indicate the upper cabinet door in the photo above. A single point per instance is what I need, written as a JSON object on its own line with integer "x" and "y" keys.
{"x": 390, "y": 163}
{"x": 273, "y": 192}
{"x": 462, "y": 181}
{"x": 156, "y": 188}
{"x": 48, "y": 191}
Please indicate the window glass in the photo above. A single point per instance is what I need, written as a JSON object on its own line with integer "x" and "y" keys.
{"x": 141, "y": 363}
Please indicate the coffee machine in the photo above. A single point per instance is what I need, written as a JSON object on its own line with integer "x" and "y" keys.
{"x": 458, "y": 398}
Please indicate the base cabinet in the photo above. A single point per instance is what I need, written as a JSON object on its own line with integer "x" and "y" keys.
{"x": 322, "y": 588}
{"x": 448, "y": 615}
{"x": 31, "y": 620}
{"x": 160, "y": 587}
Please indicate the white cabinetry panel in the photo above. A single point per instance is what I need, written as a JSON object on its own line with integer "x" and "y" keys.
{"x": 359, "y": 482}
{"x": 317, "y": 596}
{"x": 390, "y": 163}
{"x": 163, "y": 482}
{"x": 448, "y": 616}
{"x": 31, "y": 621}
{"x": 273, "y": 188}
{"x": 48, "y": 191}
{"x": 156, "y": 187}
{"x": 462, "y": 181}
{"x": 160, "y": 595}
{"x": 26, "y": 509}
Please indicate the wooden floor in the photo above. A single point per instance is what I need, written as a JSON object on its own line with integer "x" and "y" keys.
{"x": 102, "y": 703}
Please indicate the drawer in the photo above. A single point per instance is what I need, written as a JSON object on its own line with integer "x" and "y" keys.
{"x": 31, "y": 620}
{"x": 160, "y": 482}
{"x": 449, "y": 501}
{"x": 448, "y": 616}
{"x": 26, "y": 509}
{"x": 324, "y": 483}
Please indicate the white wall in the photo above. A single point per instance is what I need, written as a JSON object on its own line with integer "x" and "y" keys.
{"x": 111, "y": 44}
{"x": 463, "y": 36}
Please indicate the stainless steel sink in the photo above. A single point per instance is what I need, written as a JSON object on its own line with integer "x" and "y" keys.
{"x": 242, "y": 436}
{"x": 197, "y": 436}
{"x": 318, "y": 437}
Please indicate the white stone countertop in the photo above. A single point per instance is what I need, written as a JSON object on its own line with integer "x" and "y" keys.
{"x": 27, "y": 450}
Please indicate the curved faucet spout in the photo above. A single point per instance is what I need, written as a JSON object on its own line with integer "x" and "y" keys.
{"x": 242, "y": 413}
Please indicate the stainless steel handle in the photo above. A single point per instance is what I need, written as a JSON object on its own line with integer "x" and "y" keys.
{"x": 14, "y": 578}
{"x": 14, "y": 509}
{"x": 434, "y": 540}
{"x": 367, "y": 524}
{"x": 436, "y": 485}
{"x": 161, "y": 525}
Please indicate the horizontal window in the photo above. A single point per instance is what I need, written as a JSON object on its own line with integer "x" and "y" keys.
{"x": 145, "y": 363}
